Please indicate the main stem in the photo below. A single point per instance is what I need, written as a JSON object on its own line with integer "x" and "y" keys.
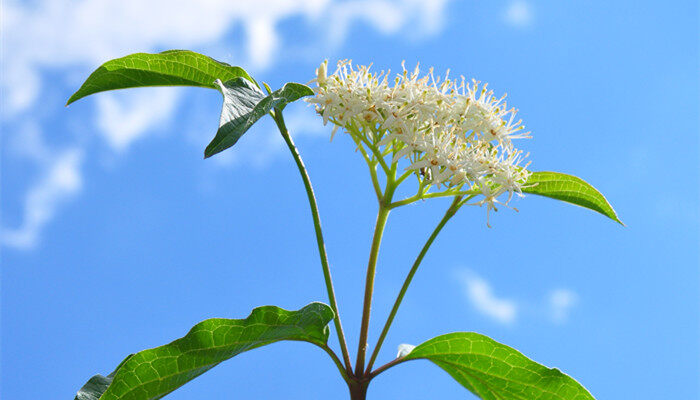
{"x": 407, "y": 282}
{"x": 279, "y": 120}
{"x": 382, "y": 216}
{"x": 358, "y": 390}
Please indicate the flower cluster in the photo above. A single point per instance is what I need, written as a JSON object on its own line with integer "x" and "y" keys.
{"x": 452, "y": 133}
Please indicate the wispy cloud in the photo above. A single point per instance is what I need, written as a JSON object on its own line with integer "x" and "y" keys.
{"x": 518, "y": 14}
{"x": 61, "y": 180}
{"x": 75, "y": 36}
{"x": 560, "y": 303}
{"x": 125, "y": 118}
{"x": 482, "y": 298}
{"x": 387, "y": 17}
{"x": 78, "y": 33}
{"x": 557, "y": 306}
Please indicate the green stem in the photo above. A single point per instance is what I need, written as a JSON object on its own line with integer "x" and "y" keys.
{"x": 279, "y": 120}
{"x": 358, "y": 390}
{"x": 382, "y": 216}
{"x": 404, "y": 176}
{"x": 375, "y": 151}
{"x": 421, "y": 196}
{"x": 337, "y": 362}
{"x": 372, "y": 170}
{"x": 448, "y": 214}
{"x": 385, "y": 367}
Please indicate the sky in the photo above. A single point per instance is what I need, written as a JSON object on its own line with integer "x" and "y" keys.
{"x": 116, "y": 235}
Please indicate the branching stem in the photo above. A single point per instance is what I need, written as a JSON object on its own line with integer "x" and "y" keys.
{"x": 421, "y": 196}
{"x": 448, "y": 214}
{"x": 372, "y": 165}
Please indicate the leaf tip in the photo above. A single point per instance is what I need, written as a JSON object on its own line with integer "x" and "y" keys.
{"x": 71, "y": 100}
{"x": 267, "y": 87}
{"x": 210, "y": 151}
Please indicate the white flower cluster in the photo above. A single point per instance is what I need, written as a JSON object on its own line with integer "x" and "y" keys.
{"x": 453, "y": 133}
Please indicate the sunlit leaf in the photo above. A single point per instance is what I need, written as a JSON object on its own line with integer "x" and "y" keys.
{"x": 151, "y": 374}
{"x": 570, "y": 189}
{"x": 245, "y": 104}
{"x": 494, "y": 371}
{"x": 169, "y": 68}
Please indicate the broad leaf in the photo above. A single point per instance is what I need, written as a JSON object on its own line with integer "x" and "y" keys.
{"x": 570, "y": 189}
{"x": 169, "y": 68}
{"x": 244, "y": 104}
{"x": 151, "y": 374}
{"x": 97, "y": 385}
{"x": 494, "y": 371}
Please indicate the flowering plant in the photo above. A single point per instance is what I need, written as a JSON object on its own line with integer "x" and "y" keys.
{"x": 453, "y": 136}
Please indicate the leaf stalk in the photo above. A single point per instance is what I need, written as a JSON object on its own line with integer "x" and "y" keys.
{"x": 279, "y": 120}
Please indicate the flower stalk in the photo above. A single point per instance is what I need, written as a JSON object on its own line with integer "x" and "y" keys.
{"x": 382, "y": 216}
{"x": 451, "y": 211}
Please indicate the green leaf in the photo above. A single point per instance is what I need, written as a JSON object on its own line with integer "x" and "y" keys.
{"x": 494, "y": 371}
{"x": 151, "y": 374}
{"x": 169, "y": 68}
{"x": 244, "y": 104}
{"x": 570, "y": 189}
{"x": 97, "y": 385}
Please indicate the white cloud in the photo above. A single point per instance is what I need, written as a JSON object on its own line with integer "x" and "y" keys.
{"x": 481, "y": 296}
{"x": 263, "y": 41}
{"x": 388, "y": 17}
{"x": 128, "y": 116}
{"x": 74, "y": 36}
{"x": 61, "y": 182}
{"x": 560, "y": 303}
{"x": 518, "y": 14}
{"x": 83, "y": 33}
{"x": 556, "y": 307}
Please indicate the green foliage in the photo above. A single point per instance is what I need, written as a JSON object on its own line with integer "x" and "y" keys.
{"x": 489, "y": 369}
{"x": 169, "y": 68}
{"x": 494, "y": 371}
{"x": 244, "y": 102}
{"x": 151, "y": 374}
{"x": 570, "y": 189}
{"x": 244, "y": 105}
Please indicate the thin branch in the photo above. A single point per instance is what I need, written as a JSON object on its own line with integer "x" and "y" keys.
{"x": 372, "y": 171}
{"x": 384, "y": 367}
{"x": 448, "y": 214}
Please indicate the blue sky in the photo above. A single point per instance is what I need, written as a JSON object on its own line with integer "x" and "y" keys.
{"x": 117, "y": 236}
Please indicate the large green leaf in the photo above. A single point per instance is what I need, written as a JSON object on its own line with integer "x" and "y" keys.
{"x": 570, "y": 189}
{"x": 151, "y": 374}
{"x": 169, "y": 68}
{"x": 494, "y": 371}
{"x": 244, "y": 104}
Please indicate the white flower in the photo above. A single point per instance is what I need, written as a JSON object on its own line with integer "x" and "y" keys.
{"x": 452, "y": 133}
